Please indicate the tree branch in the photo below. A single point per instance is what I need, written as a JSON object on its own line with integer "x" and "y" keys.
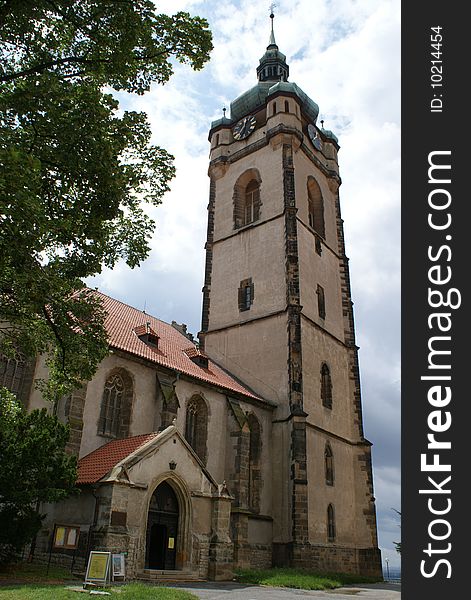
{"x": 55, "y": 330}
{"x": 72, "y": 60}
{"x": 53, "y": 63}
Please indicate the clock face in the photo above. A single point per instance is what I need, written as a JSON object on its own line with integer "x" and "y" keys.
{"x": 244, "y": 127}
{"x": 314, "y": 136}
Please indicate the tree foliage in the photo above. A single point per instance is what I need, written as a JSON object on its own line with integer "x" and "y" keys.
{"x": 397, "y": 544}
{"x": 33, "y": 468}
{"x": 75, "y": 171}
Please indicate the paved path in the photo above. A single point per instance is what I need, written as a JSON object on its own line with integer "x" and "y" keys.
{"x": 238, "y": 591}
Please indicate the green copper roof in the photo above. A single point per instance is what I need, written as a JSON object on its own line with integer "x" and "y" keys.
{"x": 309, "y": 106}
{"x": 329, "y": 134}
{"x": 273, "y": 53}
{"x": 257, "y": 96}
{"x": 249, "y": 100}
{"x": 221, "y": 121}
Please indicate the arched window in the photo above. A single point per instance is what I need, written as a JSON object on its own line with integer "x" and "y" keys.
{"x": 286, "y": 106}
{"x": 315, "y": 207}
{"x": 326, "y": 386}
{"x": 274, "y": 109}
{"x": 330, "y": 523}
{"x": 252, "y": 202}
{"x": 329, "y": 465}
{"x": 196, "y": 427}
{"x": 321, "y": 301}
{"x": 255, "y": 450}
{"x": 12, "y": 370}
{"x": 116, "y": 402}
{"x": 247, "y": 198}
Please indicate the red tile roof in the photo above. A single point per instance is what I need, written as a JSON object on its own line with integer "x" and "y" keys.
{"x": 143, "y": 329}
{"x": 194, "y": 351}
{"x": 94, "y": 466}
{"x": 121, "y": 324}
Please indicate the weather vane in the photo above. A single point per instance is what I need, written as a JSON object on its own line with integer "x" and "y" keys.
{"x": 272, "y": 9}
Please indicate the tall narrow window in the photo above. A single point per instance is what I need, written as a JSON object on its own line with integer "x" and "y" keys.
{"x": 329, "y": 465}
{"x": 330, "y": 523}
{"x": 326, "y": 386}
{"x": 315, "y": 207}
{"x": 252, "y": 202}
{"x": 116, "y": 404}
{"x": 255, "y": 448}
{"x": 274, "y": 108}
{"x": 246, "y": 198}
{"x": 286, "y": 106}
{"x": 246, "y": 294}
{"x": 111, "y": 406}
{"x": 196, "y": 426}
{"x": 321, "y": 301}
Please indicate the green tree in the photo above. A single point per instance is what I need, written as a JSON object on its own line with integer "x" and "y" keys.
{"x": 75, "y": 171}
{"x": 33, "y": 468}
{"x": 397, "y": 544}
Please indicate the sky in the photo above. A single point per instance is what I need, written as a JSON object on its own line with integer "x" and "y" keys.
{"x": 345, "y": 54}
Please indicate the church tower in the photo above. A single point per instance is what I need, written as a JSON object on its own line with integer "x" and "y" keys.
{"x": 277, "y": 314}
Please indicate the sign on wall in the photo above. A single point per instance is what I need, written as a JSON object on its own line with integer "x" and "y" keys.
{"x": 66, "y": 536}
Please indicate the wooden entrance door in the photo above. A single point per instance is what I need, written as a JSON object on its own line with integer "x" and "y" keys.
{"x": 162, "y": 529}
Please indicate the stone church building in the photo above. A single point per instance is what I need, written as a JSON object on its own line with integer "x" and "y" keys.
{"x": 245, "y": 449}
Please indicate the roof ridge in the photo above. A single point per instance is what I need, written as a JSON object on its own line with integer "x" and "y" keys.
{"x": 133, "y": 307}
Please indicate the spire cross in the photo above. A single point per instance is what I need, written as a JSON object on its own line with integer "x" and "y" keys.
{"x": 272, "y": 14}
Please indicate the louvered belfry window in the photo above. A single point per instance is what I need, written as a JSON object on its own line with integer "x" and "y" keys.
{"x": 252, "y": 202}
{"x": 247, "y": 200}
{"x": 315, "y": 207}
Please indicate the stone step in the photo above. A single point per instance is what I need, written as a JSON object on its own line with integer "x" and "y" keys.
{"x": 167, "y": 575}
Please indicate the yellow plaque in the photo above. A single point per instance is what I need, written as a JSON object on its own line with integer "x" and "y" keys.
{"x": 72, "y": 537}
{"x": 171, "y": 542}
{"x": 98, "y": 565}
{"x": 59, "y": 538}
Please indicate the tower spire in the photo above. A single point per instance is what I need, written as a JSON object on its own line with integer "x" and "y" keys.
{"x": 272, "y": 41}
{"x": 273, "y": 65}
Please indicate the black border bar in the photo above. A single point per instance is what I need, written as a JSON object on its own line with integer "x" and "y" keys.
{"x": 435, "y": 350}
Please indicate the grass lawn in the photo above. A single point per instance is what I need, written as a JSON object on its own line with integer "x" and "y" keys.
{"x": 300, "y": 579}
{"x": 30, "y": 582}
{"x": 24, "y": 572}
{"x": 131, "y": 591}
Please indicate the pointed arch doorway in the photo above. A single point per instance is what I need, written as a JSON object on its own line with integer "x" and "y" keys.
{"x": 162, "y": 529}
